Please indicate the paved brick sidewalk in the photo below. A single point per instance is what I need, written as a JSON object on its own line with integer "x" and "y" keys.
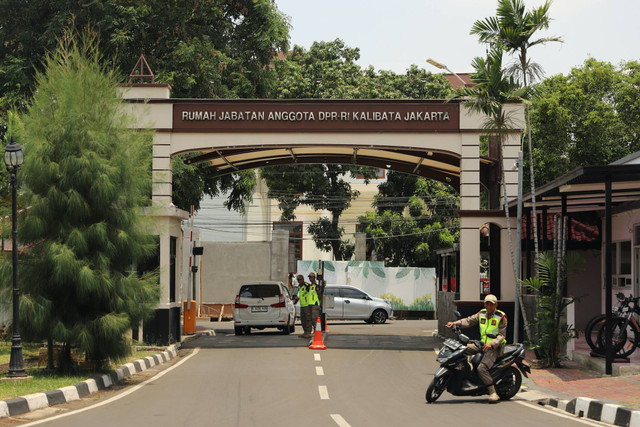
{"x": 576, "y": 381}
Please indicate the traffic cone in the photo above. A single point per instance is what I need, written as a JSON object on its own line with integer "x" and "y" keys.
{"x": 326, "y": 328}
{"x": 317, "y": 338}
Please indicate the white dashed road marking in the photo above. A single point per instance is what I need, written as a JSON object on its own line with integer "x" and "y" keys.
{"x": 319, "y": 370}
{"x": 340, "y": 421}
{"x": 324, "y": 393}
{"x": 316, "y": 357}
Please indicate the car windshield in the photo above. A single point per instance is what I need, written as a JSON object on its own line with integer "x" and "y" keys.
{"x": 259, "y": 291}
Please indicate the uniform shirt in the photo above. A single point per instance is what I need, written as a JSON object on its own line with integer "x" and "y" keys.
{"x": 475, "y": 319}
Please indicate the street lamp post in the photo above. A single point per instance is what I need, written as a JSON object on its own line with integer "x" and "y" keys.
{"x": 444, "y": 67}
{"x": 13, "y": 158}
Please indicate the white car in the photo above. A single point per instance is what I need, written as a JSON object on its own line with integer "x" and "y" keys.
{"x": 262, "y": 305}
{"x": 344, "y": 302}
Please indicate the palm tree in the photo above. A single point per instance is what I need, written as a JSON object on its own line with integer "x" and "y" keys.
{"x": 514, "y": 28}
{"x": 493, "y": 89}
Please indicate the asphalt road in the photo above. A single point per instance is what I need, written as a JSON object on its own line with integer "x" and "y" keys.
{"x": 370, "y": 375}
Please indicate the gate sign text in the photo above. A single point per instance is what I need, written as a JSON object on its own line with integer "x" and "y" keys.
{"x": 316, "y": 116}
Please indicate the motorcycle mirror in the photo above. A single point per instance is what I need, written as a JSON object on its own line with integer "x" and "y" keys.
{"x": 464, "y": 339}
{"x": 458, "y": 315}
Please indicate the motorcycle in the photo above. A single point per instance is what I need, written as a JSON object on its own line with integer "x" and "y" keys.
{"x": 461, "y": 379}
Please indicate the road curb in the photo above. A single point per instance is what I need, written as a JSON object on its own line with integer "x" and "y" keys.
{"x": 32, "y": 402}
{"x": 598, "y": 411}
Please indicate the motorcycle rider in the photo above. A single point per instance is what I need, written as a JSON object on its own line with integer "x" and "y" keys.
{"x": 491, "y": 321}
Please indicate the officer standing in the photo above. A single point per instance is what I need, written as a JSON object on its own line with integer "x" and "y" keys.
{"x": 305, "y": 308}
{"x": 315, "y": 291}
{"x": 491, "y": 321}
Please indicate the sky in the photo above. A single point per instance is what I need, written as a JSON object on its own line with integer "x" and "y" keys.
{"x": 393, "y": 35}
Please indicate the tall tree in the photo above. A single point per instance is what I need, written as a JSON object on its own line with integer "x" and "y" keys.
{"x": 415, "y": 217}
{"x": 329, "y": 70}
{"x": 514, "y": 28}
{"x": 211, "y": 48}
{"x": 586, "y": 118}
{"x": 86, "y": 178}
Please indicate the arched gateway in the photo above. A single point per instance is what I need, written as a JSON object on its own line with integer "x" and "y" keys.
{"x": 434, "y": 139}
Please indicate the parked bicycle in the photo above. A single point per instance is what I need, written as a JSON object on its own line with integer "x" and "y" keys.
{"x": 594, "y": 326}
{"x": 625, "y": 330}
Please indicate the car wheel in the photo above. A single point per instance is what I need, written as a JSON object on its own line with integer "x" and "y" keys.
{"x": 292, "y": 326}
{"x": 379, "y": 316}
{"x": 286, "y": 330}
{"x": 247, "y": 330}
{"x": 238, "y": 330}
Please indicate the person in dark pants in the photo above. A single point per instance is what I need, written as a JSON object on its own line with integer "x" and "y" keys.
{"x": 315, "y": 290}
{"x": 305, "y": 308}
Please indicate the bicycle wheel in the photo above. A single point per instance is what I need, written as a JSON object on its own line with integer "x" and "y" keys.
{"x": 624, "y": 339}
{"x": 592, "y": 331}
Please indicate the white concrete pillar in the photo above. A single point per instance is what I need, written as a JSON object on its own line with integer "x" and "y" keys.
{"x": 161, "y": 170}
{"x": 510, "y": 150}
{"x": 469, "y": 259}
{"x": 470, "y": 171}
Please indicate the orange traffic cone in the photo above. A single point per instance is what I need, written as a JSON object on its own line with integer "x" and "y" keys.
{"x": 326, "y": 328}
{"x": 317, "y": 338}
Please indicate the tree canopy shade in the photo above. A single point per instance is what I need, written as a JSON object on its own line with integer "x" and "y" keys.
{"x": 191, "y": 182}
{"x": 430, "y": 222}
{"x": 86, "y": 178}
{"x": 329, "y": 70}
{"x": 204, "y": 49}
{"x": 589, "y": 117}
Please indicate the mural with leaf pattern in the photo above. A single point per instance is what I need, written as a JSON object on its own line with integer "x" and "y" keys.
{"x": 408, "y": 288}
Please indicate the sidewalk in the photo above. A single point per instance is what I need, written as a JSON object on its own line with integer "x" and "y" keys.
{"x": 579, "y": 389}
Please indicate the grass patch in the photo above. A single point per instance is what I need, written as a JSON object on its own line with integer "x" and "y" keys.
{"x": 44, "y": 380}
{"x": 28, "y": 350}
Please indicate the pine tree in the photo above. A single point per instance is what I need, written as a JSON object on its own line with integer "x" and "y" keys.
{"x": 86, "y": 178}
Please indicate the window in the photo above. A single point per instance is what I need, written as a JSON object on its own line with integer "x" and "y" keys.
{"x": 295, "y": 241}
{"x": 335, "y": 292}
{"x": 621, "y": 260}
{"x": 352, "y": 293}
{"x": 259, "y": 291}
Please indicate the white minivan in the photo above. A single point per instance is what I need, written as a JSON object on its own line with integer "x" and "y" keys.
{"x": 262, "y": 305}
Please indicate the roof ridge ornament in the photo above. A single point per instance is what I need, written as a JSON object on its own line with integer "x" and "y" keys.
{"x": 141, "y": 71}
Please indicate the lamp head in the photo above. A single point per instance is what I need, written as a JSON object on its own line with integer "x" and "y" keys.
{"x": 436, "y": 64}
{"x": 13, "y": 156}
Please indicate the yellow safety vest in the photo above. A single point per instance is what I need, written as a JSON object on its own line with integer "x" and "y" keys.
{"x": 302, "y": 294}
{"x": 489, "y": 325}
{"x": 312, "y": 296}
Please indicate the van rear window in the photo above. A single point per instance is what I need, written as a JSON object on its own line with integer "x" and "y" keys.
{"x": 259, "y": 291}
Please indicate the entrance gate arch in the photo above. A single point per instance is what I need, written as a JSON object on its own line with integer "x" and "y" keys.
{"x": 429, "y": 138}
